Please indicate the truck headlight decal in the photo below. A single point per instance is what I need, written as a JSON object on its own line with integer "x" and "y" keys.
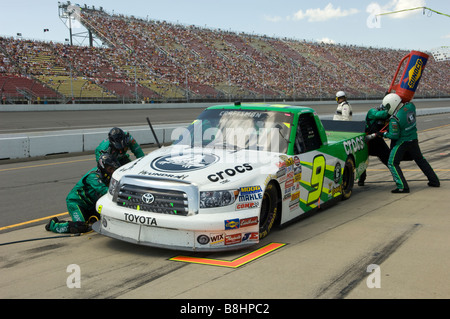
{"x": 112, "y": 186}
{"x": 211, "y": 199}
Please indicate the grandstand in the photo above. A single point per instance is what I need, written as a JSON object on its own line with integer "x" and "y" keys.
{"x": 156, "y": 61}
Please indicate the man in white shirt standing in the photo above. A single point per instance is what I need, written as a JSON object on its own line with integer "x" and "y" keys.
{"x": 344, "y": 109}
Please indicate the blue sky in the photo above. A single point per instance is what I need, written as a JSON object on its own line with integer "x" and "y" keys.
{"x": 344, "y": 22}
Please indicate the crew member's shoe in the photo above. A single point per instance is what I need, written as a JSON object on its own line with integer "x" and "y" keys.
{"x": 50, "y": 223}
{"x": 434, "y": 184}
{"x": 78, "y": 227}
{"x": 400, "y": 191}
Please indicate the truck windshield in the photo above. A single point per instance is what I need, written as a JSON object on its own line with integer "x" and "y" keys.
{"x": 239, "y": 129}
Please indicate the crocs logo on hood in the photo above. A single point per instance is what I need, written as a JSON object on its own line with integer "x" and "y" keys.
{"x": 184, "y": 162}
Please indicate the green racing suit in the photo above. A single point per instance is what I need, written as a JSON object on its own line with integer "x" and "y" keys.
{"x": 403, "y": 133}
{"x": 375, "y": 121}
{"x": 81, "y": 202}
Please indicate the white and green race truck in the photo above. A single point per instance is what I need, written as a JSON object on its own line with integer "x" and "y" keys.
{"x": 230, "y": 177}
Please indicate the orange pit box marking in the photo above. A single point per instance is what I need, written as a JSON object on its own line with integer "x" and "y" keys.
{"x": 238, "y": 262}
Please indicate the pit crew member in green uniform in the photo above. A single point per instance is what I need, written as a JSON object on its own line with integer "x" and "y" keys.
{"x": 403, "y": 133}
{"x": 117, "y": 144}
{"x": 82, "y": 198}
{"x": 376, "y": 120}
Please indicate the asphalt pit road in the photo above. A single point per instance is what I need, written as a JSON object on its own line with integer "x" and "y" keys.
{"x": 136, "y": 250}
{"x": 43, "y": 249}
{"x": 28, "y": 255}
{"x": 345, "y": 282}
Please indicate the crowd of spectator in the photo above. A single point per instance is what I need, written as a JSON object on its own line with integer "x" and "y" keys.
{"x": 160, "y": 60}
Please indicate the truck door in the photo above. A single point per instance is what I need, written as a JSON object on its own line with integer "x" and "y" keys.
{"x": 314, "y": 164}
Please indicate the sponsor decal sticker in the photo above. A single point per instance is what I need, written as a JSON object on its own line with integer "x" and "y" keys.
{"x": 245, "y": 222}
{"x": 203, "y": 239}
{"x": 232, "y": 224}
{"x": 336, "y": 190}
{"x": 250, "y": 190}
{"x": 248, "y": 205}
{"x": 289, "y": 183}
{"x": 183, "y": 163}
{"x": 250, "y": 197}
{"x": 293, "y": 204}
{"x": 250, "y": 236}
{"x": 156, "y": 174}
{"x": 233, "y": 239}
{"x": 337, "y": 172}
{"x": 354, "y": 145}
{"x": 415, "y": 73}
{"x": 217, "y": 238}
{"x": 230, "y": 172}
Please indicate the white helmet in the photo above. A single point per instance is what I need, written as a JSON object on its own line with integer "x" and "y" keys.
{"x": 340, "y": 94}
{"x": 391, "y": 102}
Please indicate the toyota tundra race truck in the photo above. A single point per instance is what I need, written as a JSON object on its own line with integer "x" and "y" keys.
{"x": 230, "y": 176}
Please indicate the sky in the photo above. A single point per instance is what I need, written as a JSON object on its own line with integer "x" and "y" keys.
{"x": 346, "y": 22}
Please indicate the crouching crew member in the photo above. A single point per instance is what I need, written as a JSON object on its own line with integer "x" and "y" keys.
{"x": 82, "y": 198}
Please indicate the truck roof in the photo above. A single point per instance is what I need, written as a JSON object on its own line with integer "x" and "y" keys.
{"x": 264, "y": 107}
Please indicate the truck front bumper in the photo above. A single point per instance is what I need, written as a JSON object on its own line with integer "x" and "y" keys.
{"x": 200, "y": 232}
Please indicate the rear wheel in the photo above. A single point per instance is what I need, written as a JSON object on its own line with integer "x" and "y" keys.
{"x": 348, "y": 178}
{"x": 269, "y": 210}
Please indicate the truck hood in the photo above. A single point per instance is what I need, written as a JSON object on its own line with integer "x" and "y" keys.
{"x": 203, "y": 166}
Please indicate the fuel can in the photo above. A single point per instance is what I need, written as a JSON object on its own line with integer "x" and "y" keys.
{"x": 407, "y": 85}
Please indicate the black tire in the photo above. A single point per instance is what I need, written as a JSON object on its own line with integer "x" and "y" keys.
{"x": 348, "y": 178}
{"x": 269, "y": 210}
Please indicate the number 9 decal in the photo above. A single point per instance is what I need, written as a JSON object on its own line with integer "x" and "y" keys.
{"x": 317, "y": 175}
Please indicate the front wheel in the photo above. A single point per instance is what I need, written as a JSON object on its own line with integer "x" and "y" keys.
{"x": 348, "y": 178}
{"x": 269, "y": 210}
